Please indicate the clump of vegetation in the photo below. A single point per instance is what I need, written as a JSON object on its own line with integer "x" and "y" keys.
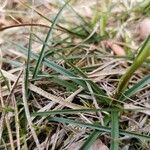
{"x": 75, "y": 75}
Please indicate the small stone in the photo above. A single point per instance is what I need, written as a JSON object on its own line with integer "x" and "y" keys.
{"x": 144, "y": 28}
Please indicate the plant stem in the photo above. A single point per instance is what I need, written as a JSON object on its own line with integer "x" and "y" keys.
{"x": 139, "y": 60}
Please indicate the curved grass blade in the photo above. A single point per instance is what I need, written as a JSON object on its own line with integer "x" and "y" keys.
{"x": 144, "y": 53}
{"x": 81, "y": 81}
{"x": 59, "y": 26}
{"x": 52, "y": 65}
{"x": 41, "y": 56}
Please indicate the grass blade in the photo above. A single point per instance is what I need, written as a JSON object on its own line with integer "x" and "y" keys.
{"x": 41, "y": 56}
{"x": 94, "y": 86}
{"x": 28, "y": 63}
{"x": 71, "y": 111}
{"x": 59, "y": 26}
{"x": 115, "y": 131}
{"x": 90, "y": 140}
{"x": 68, "y": 73}
{"x": 140, "y": 58}
{"x": 98, "y": 127}
{"x": 135, "y": 88}
{"x": 52, "y": 65}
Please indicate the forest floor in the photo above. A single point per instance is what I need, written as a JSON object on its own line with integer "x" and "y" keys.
{"x": 74, "y": 75}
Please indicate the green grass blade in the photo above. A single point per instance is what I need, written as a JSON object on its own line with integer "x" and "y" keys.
{"x": 12, "y": 62}
{"x": 68, "y": 85}
{"x": 28, "y": 62}
{"x": 41, "y": 56}
{"x": 76, "y": 111}
{"x": 139, "y": 60}
{"x": 144, "y": 53}
{"x": 52, "y": 65}
{"x": 90, "y": 140}
{"x": 115, "y": 131}
{"x": 67, "y": 73}
{"x": 135, "y": 88}
{"x": 100, "y": 128}
{"x": 73, "y": 111}
{"x": 59, "y": 26}
{"x": 94, "y": 86}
